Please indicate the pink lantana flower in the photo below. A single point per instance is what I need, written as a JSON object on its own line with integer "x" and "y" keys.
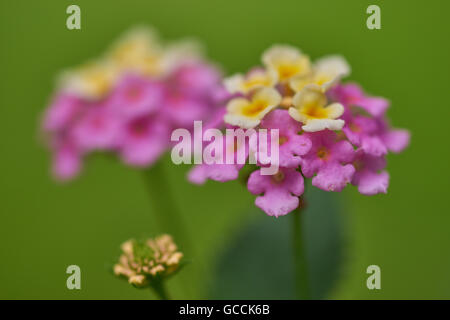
{"x": 330, "y": 160}
{"x": 129, "y": 101}
{"x": 277, "y": 194}
{"x": 330, "y": 132}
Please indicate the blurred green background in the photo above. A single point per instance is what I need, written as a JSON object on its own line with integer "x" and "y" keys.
{"x": 46, "y": 226}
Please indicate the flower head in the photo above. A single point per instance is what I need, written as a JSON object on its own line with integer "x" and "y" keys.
{"x": 147, "y": 261}
{"x": 129, "y": 100}
{"x": 330, "y": 132}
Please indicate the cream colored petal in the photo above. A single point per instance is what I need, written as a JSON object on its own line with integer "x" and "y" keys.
{"x": 311, "y": 93}
{"x": 234, "y": 83}
{"x": 331, "y": 83}
{"x": 322, "y": 124}
{"x": 269, "y": 95}
{"x": 335, "y": 110}
{"x": 182, "y": 52}
{"x": 137, "y": 280}
{"x": 293, "y": 112}
{"x": 91, "y": 81}
{"x": 299, "y": 82}
{"x": 280, "y": 53}
{"x": 236, "y": 105}
{"x": 241, "y": 121}
{"x": 134, "y": 44}
{"x": 269, "y": 77}
{"x": 335, "y": 66}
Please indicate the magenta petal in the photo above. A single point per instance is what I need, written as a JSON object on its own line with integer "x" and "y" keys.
{"x": 184, "y": 110}
{"x": 62, "y": 111}
{"x": 197, "y": 78}
{"x": 277, "y": 203}
{"x": 333, "y": 177}
{"x": 142, "y": 153}
{"x": 98, "y": 129}
{"x": 373, "y": 146}
{"x": 66, "y": 163}
{"x": 342, "y": 151}
{"x": 280, "y": 195}
{"x": 217, "y": 172}
{"x": 370, "y": 183}
{"x": 136, "y": 96}
{"x": 396, "y": 140}
{"x": 143, "y": 140}
{"x": 376, "y": 106}
{"x": 292, "y": 145}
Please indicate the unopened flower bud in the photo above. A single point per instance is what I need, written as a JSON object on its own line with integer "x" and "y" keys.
{"x": 145, "y": 261}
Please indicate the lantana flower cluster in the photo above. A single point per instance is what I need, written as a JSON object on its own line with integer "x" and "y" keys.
{"x": 330, "y": 132}
{"x": 129, "y": 100}
{"x": 144, "y": 262}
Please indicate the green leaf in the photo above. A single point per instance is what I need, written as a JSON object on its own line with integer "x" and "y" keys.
{"x": 257, "y": 264}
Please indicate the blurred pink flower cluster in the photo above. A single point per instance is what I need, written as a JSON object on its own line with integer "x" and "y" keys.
{"x": 331, "y": 132}
{"x": 129, "y": 101}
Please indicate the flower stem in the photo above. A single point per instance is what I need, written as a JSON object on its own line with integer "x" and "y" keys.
{"x": 168, "y": 218}
{"x": 299, "y": 254}
{"x": 160, "y": 290}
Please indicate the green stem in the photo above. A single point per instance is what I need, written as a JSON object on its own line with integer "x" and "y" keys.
{"x": 160, "y": 290}
{"x": 299, "y": 254}
{"x": 168, "y": 218}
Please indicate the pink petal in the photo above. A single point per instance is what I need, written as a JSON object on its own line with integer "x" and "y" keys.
{"x": 396, "y": 140}
{"x": 217, "y": 172}
{"x": 371, "y": 183}
{"x": 279, "y": 197}
{"x": 66, "y": 163}
{"x": 333, "y": 177}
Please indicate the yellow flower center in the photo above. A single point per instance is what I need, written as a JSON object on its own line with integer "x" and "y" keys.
{"x": 282, "y": 140}
{"x": 321, "y": 79}
{"x": 358, "y": 164}
{"x": 133, "y": 93}
{"x": 99, "y": 82}
{"x": 353, "y": 127}
{"x": 278, "y": 177}
{"x": 286, "y": 71}
{"x": 256, "y": 81}
{"x": 254, "y": 108}
{"x": 323, "y": 153}
{"x": 286, "y": 102}
{"x": 315, "y": 111}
